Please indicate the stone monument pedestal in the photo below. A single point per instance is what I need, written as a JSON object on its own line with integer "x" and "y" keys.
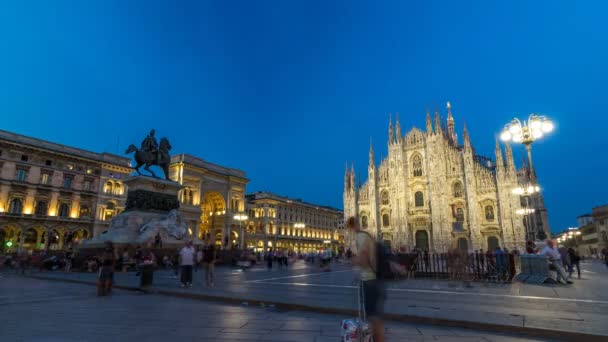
{"x": 152, "y": 208}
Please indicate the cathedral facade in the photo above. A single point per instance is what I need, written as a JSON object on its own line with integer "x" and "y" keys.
{"x": 435, "y": 194}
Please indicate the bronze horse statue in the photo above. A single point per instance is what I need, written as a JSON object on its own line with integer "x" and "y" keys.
{"x": 162, "y": 159}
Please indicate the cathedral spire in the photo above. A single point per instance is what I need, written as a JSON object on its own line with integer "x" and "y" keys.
{"x": 391, "y": 135}
{"x": 346, "y": 177}
{"x": 352, "y": 177}
{"x": 429, "y": 123}
{"x": 450, "y": 121}
{"x": 465, "y": 137}
{"x": 398, "y": 129}
{"x": 500, "y": 164}
{"x": 371, "y": 153}
{"x": 509, "y": 157}
{"x": 437, "y": 122}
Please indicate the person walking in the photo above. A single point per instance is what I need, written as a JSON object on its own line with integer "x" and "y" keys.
{"x": 209, "y": 257}
{"x": 373, "y": 289}
{"x": 269, "y": 257}
{"x": 575, "y": 260}
{"x": 186, "y": 261}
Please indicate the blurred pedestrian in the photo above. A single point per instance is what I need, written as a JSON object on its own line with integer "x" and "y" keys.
{"x": 186, "y": 262}
{"x": 575, "y": 260}
{"x": 209, "y": 257}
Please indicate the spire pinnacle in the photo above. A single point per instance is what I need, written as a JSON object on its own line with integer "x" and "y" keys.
{"x": 371, "y": 153}
{"x": 391, "y": 135}
{"x": 448, "y": 106}
{"x": 465, "y": 136}
{"x": 429, "y": 123}
{"x": 437, "y": 121}
{"x": 398, "y": 129}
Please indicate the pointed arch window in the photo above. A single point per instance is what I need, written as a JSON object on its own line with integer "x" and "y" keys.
{"x": 419, "y": 199}
{"x": 417, "y": 165}
{"x": 459, "y": 215}
{"x": 385, "y": 200}
{"x": 458, "y": 190}
{"x": 364, "y": 223}
{"x": 385, "y": 220}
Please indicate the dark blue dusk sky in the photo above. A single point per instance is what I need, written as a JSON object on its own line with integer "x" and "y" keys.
{"x": 290, "y": 90}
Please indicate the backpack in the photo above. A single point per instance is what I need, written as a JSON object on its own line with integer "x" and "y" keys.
{"x": 382, "y": 267}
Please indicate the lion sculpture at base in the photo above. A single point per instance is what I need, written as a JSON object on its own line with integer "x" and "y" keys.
{"x": 172, "y": 224}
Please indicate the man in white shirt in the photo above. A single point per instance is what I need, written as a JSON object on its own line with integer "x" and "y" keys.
{"x": 555, "y": 259}
{"x": 186, "y": 261}
{"x": 373, "y": 289}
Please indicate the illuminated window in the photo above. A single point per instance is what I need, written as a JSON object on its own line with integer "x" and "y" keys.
{"x": 118, "y": 189}
{"x": 109, "y": 187}
{"x": 85, "y": 212}
{"x": 45, "y": 178}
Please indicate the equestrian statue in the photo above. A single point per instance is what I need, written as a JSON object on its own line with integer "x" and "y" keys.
{"x": 152, "y": 153}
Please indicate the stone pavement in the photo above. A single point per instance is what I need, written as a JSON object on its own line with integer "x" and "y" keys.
{"x": 39, "y": 310}
{"x": 547, "y": 311}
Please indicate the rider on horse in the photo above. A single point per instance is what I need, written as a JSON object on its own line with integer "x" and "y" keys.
{"x": 150, "y": 146}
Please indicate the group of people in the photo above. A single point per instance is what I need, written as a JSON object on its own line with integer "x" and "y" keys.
{"x": 191, "y": 259}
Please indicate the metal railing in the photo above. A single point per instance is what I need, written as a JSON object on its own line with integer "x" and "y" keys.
{"x": 488, "y": 267}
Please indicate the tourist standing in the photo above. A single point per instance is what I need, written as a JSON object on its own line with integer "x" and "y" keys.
{"x": 209, "y": 257}
{"x": 373, "y": 289}
{"x": 186, "y": 261}
{"x": 269, "y": 256}
{"x": 106, "y": 271}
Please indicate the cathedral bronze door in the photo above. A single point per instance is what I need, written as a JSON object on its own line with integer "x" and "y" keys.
{"x": 492, "y": 243}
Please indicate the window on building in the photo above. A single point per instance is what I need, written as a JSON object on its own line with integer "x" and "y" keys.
{"x": 422, "y": 240}
{"x": 118, "y": 191}
{"x": 459, "y": 215}
{"x": 24, "y": 158}
{"x": 419, "y": 199}
{"x": 15, "y": 206}
{"x": 41, "y": 208}
{"x": 109, "y": 187}
{"x": 67, "y": 181}
{"x": 45, "y": 179}
{"x": 489, "y": 213}
{"x": 458, "y": 190}
{"x": 364, "y": 223}
{"x": 385, "y": 197}
{"x": 417, "y": 165}
{"x": 86, "y": 186}
{"x": 85, "y": 212}
{"x": 64, "y": 210}
{"x": 48, "y": 162}
{"x": 385, "y": 220}
{"x": 21, "y": 175}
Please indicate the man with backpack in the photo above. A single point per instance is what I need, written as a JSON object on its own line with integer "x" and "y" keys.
{"x": 366, "y": 260}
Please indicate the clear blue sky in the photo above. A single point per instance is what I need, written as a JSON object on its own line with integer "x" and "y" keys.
{"x": 290, "y": 90}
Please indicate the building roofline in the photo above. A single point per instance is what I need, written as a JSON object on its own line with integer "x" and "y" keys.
{"x": 69, "y": 150}
{"x": 298, "y": 201}
{"x": 199, "y": 162}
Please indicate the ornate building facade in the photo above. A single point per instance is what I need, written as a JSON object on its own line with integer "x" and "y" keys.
{"x": 52, "y": 195}
{"x": 280, "y": 222}
{"x": 435, "y": 194}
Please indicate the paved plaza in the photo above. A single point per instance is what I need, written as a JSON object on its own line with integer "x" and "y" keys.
{"x": 578, "y": 308}
{"x": 72, "y": 312}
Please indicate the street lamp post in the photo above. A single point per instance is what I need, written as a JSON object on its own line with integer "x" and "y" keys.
{"x": 526, "y": 192}
{"x": 301, "y": 227}
{"x": 526, "y": 133}
{"x": 241, "y": 218}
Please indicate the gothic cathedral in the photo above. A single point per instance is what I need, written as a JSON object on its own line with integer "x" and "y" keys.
{"x": 434, "y": 194}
